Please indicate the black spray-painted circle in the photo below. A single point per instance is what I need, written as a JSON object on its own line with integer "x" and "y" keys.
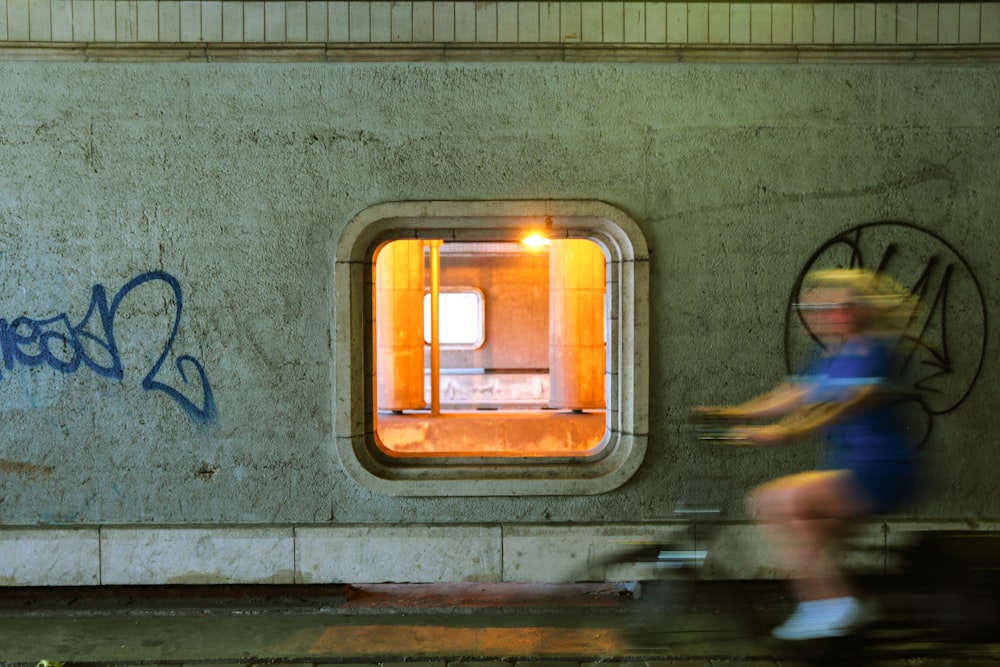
{"x": 943, "y": 349}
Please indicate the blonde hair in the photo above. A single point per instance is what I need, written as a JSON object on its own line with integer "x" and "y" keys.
{"x": 890, "y": 306}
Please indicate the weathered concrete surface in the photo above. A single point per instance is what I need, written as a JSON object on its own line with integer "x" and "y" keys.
{"x": 235, "y": 180}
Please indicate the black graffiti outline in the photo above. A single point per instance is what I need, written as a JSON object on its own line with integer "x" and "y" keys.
{"x": 940, "y": 358}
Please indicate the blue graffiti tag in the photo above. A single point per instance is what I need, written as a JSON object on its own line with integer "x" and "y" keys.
{"x": 57, "y": 342}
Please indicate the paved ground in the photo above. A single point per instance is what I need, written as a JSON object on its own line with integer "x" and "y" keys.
{"x": 504, "y": 625}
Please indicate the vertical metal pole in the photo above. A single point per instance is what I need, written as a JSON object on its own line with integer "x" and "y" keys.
{"x": 435, "y": 325}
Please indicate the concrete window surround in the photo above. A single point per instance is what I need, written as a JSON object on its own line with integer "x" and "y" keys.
{"x": 628, "y": 341}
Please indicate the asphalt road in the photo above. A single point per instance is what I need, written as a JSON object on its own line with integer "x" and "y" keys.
{"x": 500, "y": 624}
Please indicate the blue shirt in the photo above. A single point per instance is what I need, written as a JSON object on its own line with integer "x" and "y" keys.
{"x": 875, "y": 433}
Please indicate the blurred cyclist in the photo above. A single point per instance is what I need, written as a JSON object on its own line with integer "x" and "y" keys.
{"x": 849, "y": 394}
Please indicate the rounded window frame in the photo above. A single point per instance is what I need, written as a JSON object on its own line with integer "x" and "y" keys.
{"x": 627, "y": 380}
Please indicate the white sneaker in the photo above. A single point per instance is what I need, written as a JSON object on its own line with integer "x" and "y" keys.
{"x": 820, "y": 619}
{"x": 800, "y": 617}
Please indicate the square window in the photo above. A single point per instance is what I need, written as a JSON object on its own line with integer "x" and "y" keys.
{"x": 547, "y": 398}
{"x": 461, "y": 317}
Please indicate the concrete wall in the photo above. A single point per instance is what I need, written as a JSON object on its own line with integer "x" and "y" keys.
{"x": 515, "y": 290}
{"x": 173, "y": 225}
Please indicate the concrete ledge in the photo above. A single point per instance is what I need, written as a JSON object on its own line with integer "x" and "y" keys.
{"x": 197, "y": 555}
{"x": 412, "y": 553}
{"x": 164, "y": 555}
{"x": 573, "y": 553}
{"x": 494, "y": 52}
{"x": 50, "y": 557}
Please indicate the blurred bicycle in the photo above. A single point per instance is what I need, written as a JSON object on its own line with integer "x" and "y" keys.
{"x": 935, "y": 592}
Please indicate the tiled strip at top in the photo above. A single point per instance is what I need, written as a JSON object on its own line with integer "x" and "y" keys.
{"x": 67, "y": 24}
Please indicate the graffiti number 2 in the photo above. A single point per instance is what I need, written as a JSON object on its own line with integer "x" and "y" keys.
{"x": 64, "y": 346}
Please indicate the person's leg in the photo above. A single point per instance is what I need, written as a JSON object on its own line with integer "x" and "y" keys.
{"x": 806, "y": 515}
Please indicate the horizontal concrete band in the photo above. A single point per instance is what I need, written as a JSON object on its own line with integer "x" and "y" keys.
{"x": 90, "y": 556}
{"x": 690, "y": 53}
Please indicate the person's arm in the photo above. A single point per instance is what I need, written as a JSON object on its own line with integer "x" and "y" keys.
{"x": 808, "y": 419}
{"x": 783, "y": 399}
